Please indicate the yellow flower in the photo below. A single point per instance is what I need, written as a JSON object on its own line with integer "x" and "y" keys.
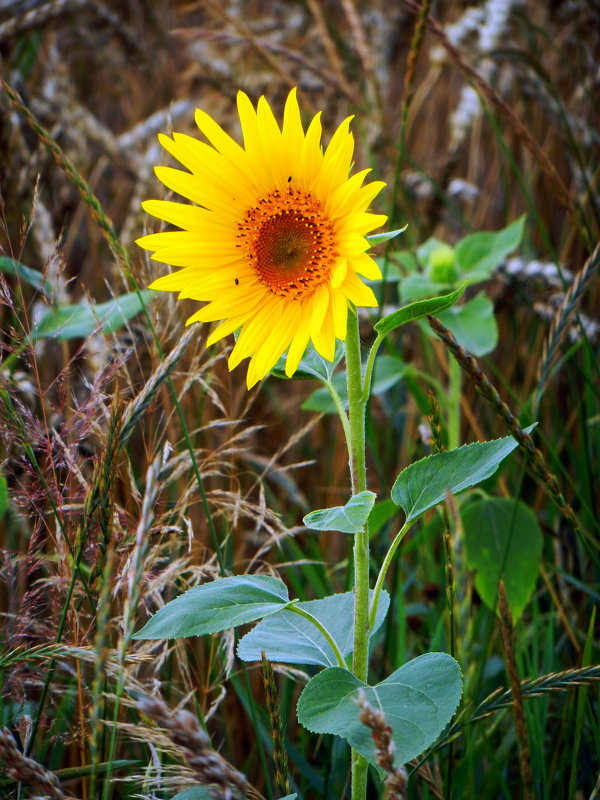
{"x": 276, "y": 243}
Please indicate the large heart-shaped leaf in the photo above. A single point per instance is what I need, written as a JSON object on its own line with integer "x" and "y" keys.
{"x": 82, "y": 319}
{"x": 418, "y": 701}
{"x": 292, "y": 639}
{"x": 418, "y": 309}
{"x": 350, "y": 518}
{"x": 216, "y": 606}
{"x": 424, "y": 483}
{"x": 503, "y": 540}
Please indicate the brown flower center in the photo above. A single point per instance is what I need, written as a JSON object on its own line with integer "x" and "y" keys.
{"x": 289, "y": 241}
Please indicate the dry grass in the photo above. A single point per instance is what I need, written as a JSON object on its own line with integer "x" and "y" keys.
{"x": 115, "y": 507}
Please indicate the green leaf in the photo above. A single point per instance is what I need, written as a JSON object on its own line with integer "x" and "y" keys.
{"x": 312, "y": 365}
{"x": 423, "y": 484}
{"x": 195, "y": 793}
{"x": 503, "y": 540}
{"x": 216, "y": 606}
{"x": 378, "y": 238}
{"x": 3, "y": 496}
{"x": 473, "y": 324}
{"x": 419, "y": 287}
{"x": 350, "y": 518}
{"x": 388, "y": 371}
{"x": 381, "y": 513}
{"x": 418, "y": 701}
{"x": 289, "y": 638}
{"x": 82, "y": 319}
{"x": 480, "y": 253}
{"x": 416, "y": 310}
{"x": 27, "y": 274}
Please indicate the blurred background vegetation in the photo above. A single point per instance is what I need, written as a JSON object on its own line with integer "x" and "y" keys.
{"x": 494, "y": 114}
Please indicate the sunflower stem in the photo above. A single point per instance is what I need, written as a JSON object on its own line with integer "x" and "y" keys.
{"x": 358, "y": 474}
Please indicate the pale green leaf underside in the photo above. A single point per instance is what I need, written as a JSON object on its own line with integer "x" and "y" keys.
{"x": 350, "y": 518}
{"x": 424, "y": 483}
{"x": 418, "y": 701}
{"x": 291, "y": 639}
{"x": 195, "y": 793}
{"x": 378, "y": 238}
{"x": 418, "y": 309}
{"x": 216, "y": 606}
{"x": 80, "y": 320}
{"x": 27, "y": 274}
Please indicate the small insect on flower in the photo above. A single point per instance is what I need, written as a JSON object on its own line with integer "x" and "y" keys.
{"x": 276, "y": 244}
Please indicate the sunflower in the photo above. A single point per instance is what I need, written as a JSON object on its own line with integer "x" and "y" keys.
{"x": 275, "y": 243}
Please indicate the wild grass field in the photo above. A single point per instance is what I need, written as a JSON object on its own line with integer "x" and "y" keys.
{"x": 134, "y": 465}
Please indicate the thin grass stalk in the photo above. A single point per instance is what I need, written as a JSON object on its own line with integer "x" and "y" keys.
{"x": 407, "y": 97}
{"x": 97, "y": 709}
{"x": 111, "y": 237}
{"x": 133, "y": 593}
{"x": 546, "y": 165}
{"x": 535, "y": 459}
{"x": 280, "y": 759}
{"x": 560, "y": 322}
{"x": 97, "y": 504}
{"x": 507, "y": 633}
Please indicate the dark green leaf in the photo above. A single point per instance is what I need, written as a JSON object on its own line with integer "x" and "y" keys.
{"x": 381, "y": 513}
{"x": 350, "y": 518}
{"x": 423, "y": 484}
{"x": 473, "y": 324}
{"x": 3, "y": 496}
{"x": 418, "y": 701}
{"x": 503, "y": 540}
{"x": 291, "y": 639}
{"x": 419, "y": 309}
{"x": 216, "y": 606}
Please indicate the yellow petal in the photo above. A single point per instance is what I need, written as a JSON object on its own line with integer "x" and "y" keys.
{"x": 339, "y": 313}
{"x": 300, "y": 340}
{"x": 357, "y": 292}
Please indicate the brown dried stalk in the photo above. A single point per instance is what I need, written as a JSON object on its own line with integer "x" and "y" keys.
{"x": 280, "y": 759}
{"x": 561, "y": 319}
{"x": 397, "y": 780}
{"x": 507, "y": 631}
{"x": 223, "y": 780}
{"x": 494, "y": 98}
{"x": 28, "y": 770}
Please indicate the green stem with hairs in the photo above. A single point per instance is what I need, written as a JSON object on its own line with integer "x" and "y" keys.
{"x": 358, "y": 474}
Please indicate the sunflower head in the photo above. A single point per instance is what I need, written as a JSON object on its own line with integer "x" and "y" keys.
{"x": 274, "y": 245}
